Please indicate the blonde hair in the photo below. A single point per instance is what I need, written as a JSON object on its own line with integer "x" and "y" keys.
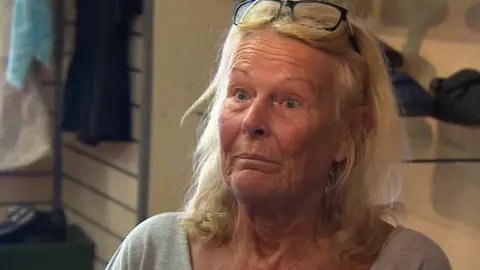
{"x": 367, "y": 184}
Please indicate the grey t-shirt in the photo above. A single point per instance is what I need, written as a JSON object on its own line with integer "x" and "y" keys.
{"x": 160, "y": 243}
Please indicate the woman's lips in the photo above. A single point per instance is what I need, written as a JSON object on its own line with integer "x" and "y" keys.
{"x": 256, "y": 162}
{"x": 254, "y": 157}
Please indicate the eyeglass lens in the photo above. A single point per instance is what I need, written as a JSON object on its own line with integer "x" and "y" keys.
{"x": 312, "y": 14}
{"x": 251, "y": 9}
{"x": 316, "y": 14}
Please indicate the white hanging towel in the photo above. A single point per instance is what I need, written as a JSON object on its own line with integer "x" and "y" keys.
{"x": 24, "y": 117}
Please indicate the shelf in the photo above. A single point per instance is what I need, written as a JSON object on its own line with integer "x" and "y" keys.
{"x": 432, "y": 140}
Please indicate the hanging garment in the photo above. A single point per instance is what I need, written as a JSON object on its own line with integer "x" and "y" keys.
{"x": 24, "y": 118}
{"x": 97, "y": 92}
{"x": 457, "y": 97}
{"x": 31, "y": 38}
{"x": 393, "y": 57}
{"x": 411, "y": 97}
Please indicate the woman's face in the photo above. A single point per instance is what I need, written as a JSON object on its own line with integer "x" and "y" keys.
{"x": 279, "y": 130}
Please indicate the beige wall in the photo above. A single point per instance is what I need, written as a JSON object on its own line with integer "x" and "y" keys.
{"x": 441, "y": 198}
{"x": 100, "y": 184}
{"x": 187, "y": 36}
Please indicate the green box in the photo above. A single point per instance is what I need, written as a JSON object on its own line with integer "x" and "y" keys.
{"x": 77, "y": 253}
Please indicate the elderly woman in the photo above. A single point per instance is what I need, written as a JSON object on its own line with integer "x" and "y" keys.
{"x": 298, "y": 159}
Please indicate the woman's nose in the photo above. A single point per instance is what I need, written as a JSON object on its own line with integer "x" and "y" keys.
{"x": 255, "y": 123}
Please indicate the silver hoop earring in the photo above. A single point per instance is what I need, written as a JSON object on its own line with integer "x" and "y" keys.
{"x": 333, "y": 178}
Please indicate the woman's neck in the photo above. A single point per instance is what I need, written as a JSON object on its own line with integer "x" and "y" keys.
{"x": 275, "y": 236}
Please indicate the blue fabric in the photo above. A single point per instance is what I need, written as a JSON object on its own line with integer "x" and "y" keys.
{"x": 31, "y": 38}
{"x": 412, "y": 98}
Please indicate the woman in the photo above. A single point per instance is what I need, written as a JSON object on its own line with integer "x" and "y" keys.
{"x": 297, "y": 162}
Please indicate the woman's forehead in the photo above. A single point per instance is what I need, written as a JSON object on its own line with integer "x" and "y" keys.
{"x": 266, "y": 53}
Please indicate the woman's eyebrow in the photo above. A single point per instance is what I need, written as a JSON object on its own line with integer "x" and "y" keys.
{"x": 237, "y": 69}
{"x": 304, "y": 81}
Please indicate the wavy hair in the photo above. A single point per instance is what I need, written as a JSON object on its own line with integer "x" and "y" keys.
{"x": 367, "y": 183}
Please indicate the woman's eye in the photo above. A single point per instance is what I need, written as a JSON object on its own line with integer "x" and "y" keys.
{"x": 291, "y": 103}
{"x": 241, "y": 95}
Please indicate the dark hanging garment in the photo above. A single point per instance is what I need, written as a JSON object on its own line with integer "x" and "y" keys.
{"x": 412, "y": 98}
{"x": 457, "y": 97}
{"x": 97, "y": 102}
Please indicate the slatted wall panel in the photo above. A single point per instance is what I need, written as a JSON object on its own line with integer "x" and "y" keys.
{"x": 100, "y": 183}
{"x": 32, "y": 185}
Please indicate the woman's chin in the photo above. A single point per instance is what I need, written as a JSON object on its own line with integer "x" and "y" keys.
{"x": 254, "y": 185}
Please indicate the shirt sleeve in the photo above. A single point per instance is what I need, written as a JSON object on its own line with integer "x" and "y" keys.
{"x": 434, "y": 258}
{"x": 411, "y": 250}
{"x": 157, "y": 243}
{"x": 133, "y": 251}
{"x": 119, "y": 260}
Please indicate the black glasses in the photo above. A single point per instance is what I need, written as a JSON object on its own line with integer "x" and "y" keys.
{"x": 312, "y": 13}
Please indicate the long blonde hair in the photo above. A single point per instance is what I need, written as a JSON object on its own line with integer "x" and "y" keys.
{"x": 367, "y": 184}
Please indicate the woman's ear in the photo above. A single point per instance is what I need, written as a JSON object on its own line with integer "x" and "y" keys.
{"x": 364, "y": 119}
{"x": 344, "y": 148}
{"x": 342, "y": 152}
{"x": 360, "y": 123}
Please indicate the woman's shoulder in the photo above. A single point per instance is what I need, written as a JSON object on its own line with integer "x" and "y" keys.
{"x": 158, "y": 227}
{"x": 161, "y": 225}
{"x": 411, "y": 250}
{"x": 157, "y": 230}
{"x": 151, "y": 242}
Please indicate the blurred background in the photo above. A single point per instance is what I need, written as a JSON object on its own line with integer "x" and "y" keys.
{"x": 105, "y": 184}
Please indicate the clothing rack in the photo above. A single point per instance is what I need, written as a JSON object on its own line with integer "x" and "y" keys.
{"x": 58, "y": 11}
{"x": 145, "y": 109}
